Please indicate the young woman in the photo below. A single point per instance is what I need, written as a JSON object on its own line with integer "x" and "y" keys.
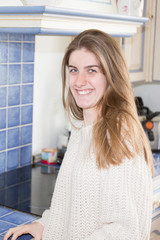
{"x": 104, "y": 187}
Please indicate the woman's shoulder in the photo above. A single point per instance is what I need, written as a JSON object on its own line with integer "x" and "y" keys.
{"x": 76, "y": 124}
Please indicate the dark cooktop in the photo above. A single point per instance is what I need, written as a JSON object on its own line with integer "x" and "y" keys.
{"x": 29, "y": 188}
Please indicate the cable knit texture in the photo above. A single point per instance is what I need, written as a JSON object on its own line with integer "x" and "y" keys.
{"x": 92, "y": 204}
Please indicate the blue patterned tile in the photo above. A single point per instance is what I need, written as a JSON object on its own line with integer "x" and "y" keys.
{"x": 27, "y": 94}
{"x": 12, "y": 159}
{"x": 2, "y": 179}
{"x": 13, "y": 95}
{"x": 26, "y": 135}
{"x": 4, "y": 226}
{"x": 4, "y": 211}
{"x": 13, "y": 116}
{"x": 13, "y": 137}
{"x": 3, "y": 52}
{"x": 26, "y": 114}
{"x": 28, "y": 37}
{"x": 26, "y": 155}
{"x": 2, "y": 140}
{"x": 2, "y": 166}
{"x": 24, "y": 191}
{"x": 12, "y": 177}
{"x": 15, "y": 37}
{"x": 14, "y": 52}
{"x": 25, "y": 172}
{"x": 11, "y": 196}
{"x": 3, "y": 36}
{"x": 25, "y": 206}
{"x": 28, "y": 52}
{"x": 18, "y": 218}
{"x": 14, "y": 74}
{"x": 2, "y": 118}
{"x": 28, "y": 73}
{"x": 3, "y": 94}
{"x": 3, "y": 74}
{"x": 2, "y": 197}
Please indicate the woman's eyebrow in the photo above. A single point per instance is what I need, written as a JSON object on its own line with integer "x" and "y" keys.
{"x": 90, "y": 66}
{"x": 71, "y": 66}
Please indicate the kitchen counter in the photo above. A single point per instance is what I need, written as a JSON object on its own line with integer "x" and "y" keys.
{"x": 29, "y": 188}
{"x": 10, "y": 218}
{"x": 24, "y": 194}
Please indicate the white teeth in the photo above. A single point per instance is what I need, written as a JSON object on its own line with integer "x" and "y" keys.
{"x": 83, "y": 92}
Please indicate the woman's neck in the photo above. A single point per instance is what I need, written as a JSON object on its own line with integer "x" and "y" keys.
{"x": 90, "y": 116}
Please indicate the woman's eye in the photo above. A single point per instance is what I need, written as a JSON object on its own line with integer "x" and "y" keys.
{"x": 92, "y": 70}
{"x": 73, "y": 70}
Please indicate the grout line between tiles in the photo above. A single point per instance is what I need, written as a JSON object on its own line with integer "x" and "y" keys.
{"x": 6, "y": 214}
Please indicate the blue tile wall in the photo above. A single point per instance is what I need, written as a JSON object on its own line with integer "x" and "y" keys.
{"x": 15, "y": 188}
{"x": 13, "y": 95}
{"x": 12, "y": 159}
{"x": 26, "y": 114}
{"x": 3, "y": 52}
{"x": 13, "y": 137}
{"x": 2, "y": 162}
{"x": 2, "y": 140}
{"x": 27, "y": 94}
{"x": 3, "y": 96}
{"x": 13, "y": 117}
{"x": 2, "y": 118}
{"x": 4, "y": 36}
{"x": 26, "y": 153}
{"x": 15, "y": 74}
{"x": 26, "y": 135}
{"x": 28, "y": 70}
{"x": 16, "y": 99}
{"x": 15, "y": 52}
{"x": 3, "y": 74}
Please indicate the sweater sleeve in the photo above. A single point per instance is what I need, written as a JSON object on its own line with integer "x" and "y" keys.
{"x": 126, "y": 204}
{"x": 44, "y": 217}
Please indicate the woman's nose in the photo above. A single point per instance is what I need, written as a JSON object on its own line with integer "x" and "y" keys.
{"x": 81, "y": 80}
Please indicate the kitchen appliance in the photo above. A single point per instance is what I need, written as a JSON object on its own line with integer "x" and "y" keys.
{"x": 151, "y": 124}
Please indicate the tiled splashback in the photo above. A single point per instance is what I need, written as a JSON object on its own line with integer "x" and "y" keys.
{"x": 16, "y": 99}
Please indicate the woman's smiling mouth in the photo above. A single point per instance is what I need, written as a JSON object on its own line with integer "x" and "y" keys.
{"x": 83, "y": 92}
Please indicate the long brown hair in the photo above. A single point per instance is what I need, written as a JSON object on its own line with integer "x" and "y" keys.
{"x": 118, "y": 132}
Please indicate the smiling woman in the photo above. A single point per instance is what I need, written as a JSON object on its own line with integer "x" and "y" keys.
{"x": 104, "y": 186}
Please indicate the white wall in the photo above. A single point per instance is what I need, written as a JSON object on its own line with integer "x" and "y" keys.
{"x": 49, "y": 119}
{"x": 11, "y": 3}
{"x": 150, "y": 94}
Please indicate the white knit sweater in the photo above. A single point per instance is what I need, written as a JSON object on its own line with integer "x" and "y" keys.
{"x": 92, "y": 204}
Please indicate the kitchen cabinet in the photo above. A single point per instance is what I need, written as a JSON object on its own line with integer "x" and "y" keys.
{"x": 139, "y": 48}
{"x": 134, "y": 52}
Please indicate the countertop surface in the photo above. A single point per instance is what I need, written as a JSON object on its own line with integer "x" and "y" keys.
{"x": 28, "y": 189}
{"x": 10, "y": 218}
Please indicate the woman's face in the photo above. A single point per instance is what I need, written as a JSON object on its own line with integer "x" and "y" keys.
{"x": 86, "y": 80}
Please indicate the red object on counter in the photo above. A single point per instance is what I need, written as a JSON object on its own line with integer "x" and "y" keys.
{"x": 48, "y": 163}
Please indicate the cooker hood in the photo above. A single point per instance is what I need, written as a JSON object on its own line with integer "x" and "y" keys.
{"x": 47, "y": 20}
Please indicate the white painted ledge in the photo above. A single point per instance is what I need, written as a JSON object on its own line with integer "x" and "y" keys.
{"x": 59, "y": 21}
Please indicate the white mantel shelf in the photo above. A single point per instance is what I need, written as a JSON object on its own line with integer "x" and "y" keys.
{"x": 47, "y": 20}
